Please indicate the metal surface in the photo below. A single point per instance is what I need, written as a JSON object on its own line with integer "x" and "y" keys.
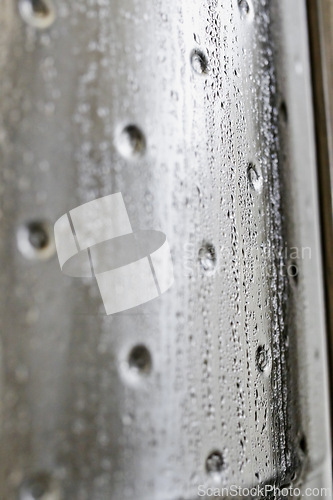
{"x": 200, "y": 113}
{"x": 321, "y": 32}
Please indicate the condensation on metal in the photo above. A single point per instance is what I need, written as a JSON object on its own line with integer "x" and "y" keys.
{"x": 200, "y": 114}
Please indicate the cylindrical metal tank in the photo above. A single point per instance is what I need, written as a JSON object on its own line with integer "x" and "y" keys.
{"x": 199, "y": 113}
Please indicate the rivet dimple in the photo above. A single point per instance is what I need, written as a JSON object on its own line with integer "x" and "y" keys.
{"x": 35, "y": 240}
{"x": 246, "y": 9}
{"x": 131, "y": 142}
{"x": 40, "y": 486}
{"x": 293, "y": 272}
{"x": 254, "y": 177}
{"x": 140, "y": 359}
{"x": 284, "y": 111}
{"x": 263, "y": 359}
{"x": 207, "y": 257}
{"x": 215, "y": 463}
{"x": 199, "y": 61}
{"x": 37, "y": 13}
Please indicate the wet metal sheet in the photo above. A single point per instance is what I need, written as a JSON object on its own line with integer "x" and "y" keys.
{"x": 200, "y": 114}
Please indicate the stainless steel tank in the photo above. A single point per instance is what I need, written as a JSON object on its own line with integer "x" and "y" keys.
{"x": 200, "y": 114}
